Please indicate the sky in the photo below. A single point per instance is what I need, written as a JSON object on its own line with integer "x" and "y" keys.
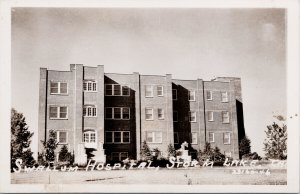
{"x": 188, "y": 43}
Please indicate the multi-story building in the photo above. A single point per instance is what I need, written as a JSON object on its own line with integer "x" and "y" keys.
{"x": 107, "y": 116}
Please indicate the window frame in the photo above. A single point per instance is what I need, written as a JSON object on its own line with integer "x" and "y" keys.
{"x": 189, "y": 95}
{"x": 190, "y": 116}
{"x": 191, "y": 135}
{"x": 227, "y": 98}
{"x": 58, "y": 136}
{"x": 212, "y": 116}
{"x": 162, "y": 90}
{"x": 92, "y": 82}
{"x": 89, "y": 132}
{"x": 162, "y": 113}
{"x": 152, "y": 118}
{"x": 85, "y": 110}
{"x": 175, "y": 94}
{"x": 213, "y": 137}
{"x": 113, "y": 89}
{"x": 113, "y": 137}
{"x": 58, "y": 112}
{"x": 154, "y": 137}
{"x": 152, "y": 95}
{"x": 223, "y": 121}
{"x": 211, "y": 95}
{"x": 113, "y": 113}
{"x": 119, "y": 155}
{"x": 229, "y": 139}
{"x": 59, "y": 88}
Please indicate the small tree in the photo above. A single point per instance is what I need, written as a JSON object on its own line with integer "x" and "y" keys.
{"x": 171, "y": 150}
{"x": 245, "y": 146}
{"x": 50, "y": 145}
{"x": 20, "y": 140}
{"x": 217, "y": 155}
{"x": 65, "y": 155}
{"x": 145, "y": 152}
{"x": 207, "y": 153}
{"x": 276, "y": 142}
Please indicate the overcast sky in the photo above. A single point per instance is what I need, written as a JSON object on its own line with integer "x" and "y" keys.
{"x": 187, "y": 43}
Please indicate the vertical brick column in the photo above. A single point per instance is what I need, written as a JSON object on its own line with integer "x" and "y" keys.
{"x": 100, "y": 103}
{"x": 42, "y": 108}
{"x": 137, "y": 88}
{"x": 201, "y": 104}
{"x": 169, "y": 110}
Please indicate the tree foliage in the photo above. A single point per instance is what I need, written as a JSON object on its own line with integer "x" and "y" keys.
{"x": 50, "y": 145}
{"x": 275, "y": 144}
{"x": 65, "y": 155}
{"x": 245, "y": 146}
{"x": 171, "y": 150}
{"x": 145, "y": 152}
{"x": 20, "y": 140}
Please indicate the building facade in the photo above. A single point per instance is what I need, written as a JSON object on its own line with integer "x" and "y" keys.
{"x": 107, "y": 116}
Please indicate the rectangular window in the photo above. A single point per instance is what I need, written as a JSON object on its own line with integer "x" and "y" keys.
{"x": 160, "y": 114}
{"x": 192, "y": 116}
{"x": 160, "y": 91}
{"x": 148, "y": 91}
{"x": 192, "y": 95}
{"x": 225, "y": 117}
{"x": 176, "y": 138}
{"x": 86, "y": 137}
{"x": 154, "y": 137}
{"x": 210, "y": 115}
{"x": 117, "y": 113}
{"x": 58, "y": 88}
{"x": 89, "y": 86}
{"x": 194, "y": 138}
{"x": 224, "y": 96}
{"x": 211, "y": 137}
{"x": 149, "y": 113}
{"x": 89, "y": 137}
{"x": 174, "y": 94}
{"x": 209, "y": 95}
{"x": 117, "y": 137}
{"x": 175, "y": 116}
{"x": 93, "y": 138}
{"x": 119, "y": 156}
{"x": 125, "y": 91}
{"x": 117, "y": 90}
{"x": 58, "y": 112}
{"x": 89, "y": 111}
{"x": 61, "y": 137}
{"x": 226, "y": 137}
{"x": 108, "y": 90}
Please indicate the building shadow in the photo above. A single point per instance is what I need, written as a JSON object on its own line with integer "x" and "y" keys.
{"x": 181, "y": 111}
{"x": 240, "y": 121}
{"x": 120, "y": 125}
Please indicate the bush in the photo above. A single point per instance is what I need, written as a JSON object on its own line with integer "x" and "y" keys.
{"x": 251, "y": 156}
{"x": 145, "y": 152}
{"x": 211, "y": 154}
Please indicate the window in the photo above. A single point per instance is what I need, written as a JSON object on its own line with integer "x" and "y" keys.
{"x": 89, "y": 137}
{"x": 176, "y": 138}
{"x": 225, "y": 117}
{"x": 58, "y": 88}
{"x": 89, "y": 111}
{"x": 160, "y": 91}
{"x": 192, "y": 96}
{"x": 119, "y": 156}
{"x": 174, "y": 94}
{"x": 211, "y": 137}
{"x": 61, "y": 137}
{"x": 117, "y": 137}
{"x": 154, "y": 137}
{"x": 194, "y": 138}
{"x": 149, "y": 113}
{"x": 89, "y": 86}
{"x": 58, "y": 112}
{"x": 148, "y": 91}
{"x": 226, "y": 138}
{"x": 117, "y": 90}
{"x": 224, "y": 96}
{"x": 160, "y": 114}
{"x": 192, "y": 116}
{"x": 175, "y": 116}
{"x": 210, "y": 115}
{"x": 209, "y": 95}
{"x": 117, "y": 113}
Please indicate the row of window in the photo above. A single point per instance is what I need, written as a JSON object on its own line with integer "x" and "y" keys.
{"x": 123, "y": 137}
{"x": 123, "y": 113}
{"x": 124, "y": 90}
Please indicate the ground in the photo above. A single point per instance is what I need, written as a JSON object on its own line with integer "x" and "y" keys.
{"x": 190, "y": 176}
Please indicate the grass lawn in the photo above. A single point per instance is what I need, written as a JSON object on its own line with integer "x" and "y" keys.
{"x": 192, "y": 176}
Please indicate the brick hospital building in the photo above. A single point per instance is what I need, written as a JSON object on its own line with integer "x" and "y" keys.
{"x": 107, "y": 116}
